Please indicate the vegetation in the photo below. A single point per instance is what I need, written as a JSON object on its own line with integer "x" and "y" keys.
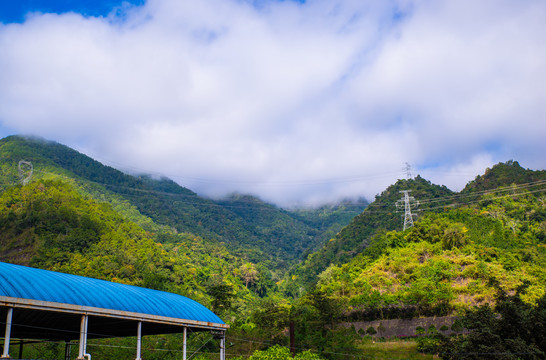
{"x": 259, "y": 232}
{"x": 396, "y": 349}
{"x": 47, "y": 224}
{"x": 504, "y": 174}
{"x": 512, "y": 329}
{"x": 280, "y": 353}
{"x": 468, "y": 253}
{"x": 447, "y": 262}
{"x": 381, "y": 215}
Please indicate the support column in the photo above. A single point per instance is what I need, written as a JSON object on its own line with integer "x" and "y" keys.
{"x": 139, "y": 340}
{"x": 21, "y": 344}
{"x": 223, "y": 346}
{"x": 83, "y": 338}
{"x": 67, "y": 348}
{"x": 5, "y": 354}
{"x": 184, "y": 343}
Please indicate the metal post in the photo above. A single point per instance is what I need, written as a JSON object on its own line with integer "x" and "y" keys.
{"x": 21, "y": 343}
{"x": 139, "y": 340}
{"x": 67, "y": 348}
{"x": 5, "y": 354}
{"x": 184, "y": 343}
{"x": 83, "y": 338}
{"x": 223, "y": 346}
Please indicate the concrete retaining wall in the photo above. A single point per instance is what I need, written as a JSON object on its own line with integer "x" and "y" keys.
{"x": 403, "y": 327}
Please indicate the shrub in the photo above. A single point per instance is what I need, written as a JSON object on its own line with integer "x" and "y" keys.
{"x": 278, "y": 352}
{"x": 457, "y": 326}
{"x": 429, "y": 344}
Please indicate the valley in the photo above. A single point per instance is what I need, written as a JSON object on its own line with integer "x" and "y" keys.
{"x": 261, "y": 267}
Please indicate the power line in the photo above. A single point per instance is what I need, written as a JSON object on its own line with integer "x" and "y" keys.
{"x": 226, "y": 181}
{"x": 485, "y": 192}
{"x": 211, "y": 203}
{"x": 482, "y": 200}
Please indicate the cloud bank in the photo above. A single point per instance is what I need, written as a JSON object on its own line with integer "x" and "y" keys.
{"x": 298, "y": 103}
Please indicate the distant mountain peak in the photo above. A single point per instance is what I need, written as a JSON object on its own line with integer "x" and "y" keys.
{"x": 504, "y": 174}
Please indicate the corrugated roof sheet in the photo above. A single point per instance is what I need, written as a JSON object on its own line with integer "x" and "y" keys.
{"x": 28, "y": 283}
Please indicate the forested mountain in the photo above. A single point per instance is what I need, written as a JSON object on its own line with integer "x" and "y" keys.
{"x": 448, "y": 261}
{"x": 330, "y": 219}
{"x": 502, "y": 175}
{"x": 380, "y": 216}
{"x": 69, "y": 218}
{"x": 257, "y": 231}
{"x": 282, "y": 225}
{"x": 48, "y": 224}
{"x": 77, "y": 216}
{"x": 460, "y": 253}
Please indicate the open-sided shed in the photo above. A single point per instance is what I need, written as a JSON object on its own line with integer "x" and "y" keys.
{"x": 47, "y": 305}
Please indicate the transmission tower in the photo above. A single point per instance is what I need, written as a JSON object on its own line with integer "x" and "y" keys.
{"x": 407, "y": 202}
{"x": 407, "y": 169}
{"x": 25, "y": 171}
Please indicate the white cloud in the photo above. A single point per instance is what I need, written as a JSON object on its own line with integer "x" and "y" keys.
{"x": 456, "y": 176}
{"x": 271, "y": 99}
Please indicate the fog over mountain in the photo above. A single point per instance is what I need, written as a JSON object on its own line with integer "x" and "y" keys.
{"x": 296, "y": 102}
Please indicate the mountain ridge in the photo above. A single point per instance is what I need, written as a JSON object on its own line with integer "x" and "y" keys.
{"x": 380, "y": 215}
{"x": 463, "y": 249}
{"x": 280, "y": 238}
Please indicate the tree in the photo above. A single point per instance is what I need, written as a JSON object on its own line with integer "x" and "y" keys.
{"x": 222, "y": 296}
{"x": 273, "y": 316}
{"x": 511, "y": 330}
{"x": 329, "y": 308}
{"x": 248, "y": 273}
{"x": 278, "y": 352}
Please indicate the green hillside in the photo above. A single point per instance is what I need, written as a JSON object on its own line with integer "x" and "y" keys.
{"x": 381, "y": 215}
{"x": 456, "y": 259}
{"x": 254, "y": 230}
{"x": 77, "y": 216}
{"x": 48, "y": 224}
{"x": 311, "y": 226}
{"x": 504, "y": 174}
{"x": 330, "y": 219}
{"x": 69, "y": 219}
{"x": 287, "y": 235}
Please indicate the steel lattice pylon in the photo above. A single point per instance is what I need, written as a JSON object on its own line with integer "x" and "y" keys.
{"x": 406, "y": 203}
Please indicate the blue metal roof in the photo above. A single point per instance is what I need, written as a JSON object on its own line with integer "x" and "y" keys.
{"x": 18, "y": 281}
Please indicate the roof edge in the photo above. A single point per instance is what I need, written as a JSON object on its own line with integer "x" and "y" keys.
{"x": 94, "y": 311}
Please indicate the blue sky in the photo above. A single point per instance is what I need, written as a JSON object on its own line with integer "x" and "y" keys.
{"x": 296, "y": 102}
{"x": 15, "y": 11}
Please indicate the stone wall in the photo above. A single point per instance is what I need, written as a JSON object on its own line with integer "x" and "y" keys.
{"x": 403, "y": 327}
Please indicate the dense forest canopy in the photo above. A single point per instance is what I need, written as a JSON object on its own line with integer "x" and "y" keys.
{"x": 262, "y": 268}
{"x": 448, "y": 261}
{"x": 380, "y": 215}
{"x": 254, "y": 230}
